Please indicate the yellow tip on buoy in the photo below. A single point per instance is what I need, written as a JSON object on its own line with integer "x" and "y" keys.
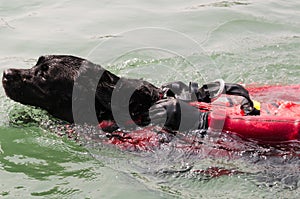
{"x": 256, "y": 104}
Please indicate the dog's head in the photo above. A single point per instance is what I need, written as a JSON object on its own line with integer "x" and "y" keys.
{"x": 72, "y": 88}
{"x": 47, "y": 85}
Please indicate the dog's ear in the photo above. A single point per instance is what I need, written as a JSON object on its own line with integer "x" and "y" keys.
{"x": 41, "y": 60}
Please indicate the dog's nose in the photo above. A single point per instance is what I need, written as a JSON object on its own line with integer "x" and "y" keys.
{"x": 8, "y": 74}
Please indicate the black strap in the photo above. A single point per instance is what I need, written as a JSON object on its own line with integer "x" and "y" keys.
{"x": 207, "y": 90}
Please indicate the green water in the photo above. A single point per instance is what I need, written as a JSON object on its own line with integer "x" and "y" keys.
{"x": 240, "y": 41}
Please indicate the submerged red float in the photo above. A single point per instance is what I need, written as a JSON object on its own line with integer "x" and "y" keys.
{"x": 278, "y": 120}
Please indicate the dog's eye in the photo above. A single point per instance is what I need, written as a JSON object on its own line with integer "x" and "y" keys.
{"x": 44, "y": 67}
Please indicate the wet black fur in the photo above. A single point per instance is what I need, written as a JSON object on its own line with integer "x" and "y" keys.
{"x": 49, "y": 85}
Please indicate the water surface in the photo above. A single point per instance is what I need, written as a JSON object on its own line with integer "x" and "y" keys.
{"x": 240, "y": 41}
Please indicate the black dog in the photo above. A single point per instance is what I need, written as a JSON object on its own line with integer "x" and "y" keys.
{"x": 76, "y": 90}
{"x": 49, "y": 85}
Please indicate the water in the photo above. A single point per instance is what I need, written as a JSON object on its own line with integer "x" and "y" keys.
{"x": 240, "y": 41}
